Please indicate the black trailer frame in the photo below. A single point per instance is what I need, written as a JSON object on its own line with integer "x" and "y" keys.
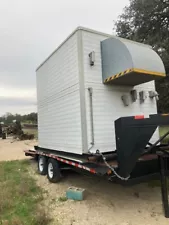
{"x": 135, "y": 160}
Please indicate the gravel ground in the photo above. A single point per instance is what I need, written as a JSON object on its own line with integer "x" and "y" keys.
{"x": 105, "y": 203}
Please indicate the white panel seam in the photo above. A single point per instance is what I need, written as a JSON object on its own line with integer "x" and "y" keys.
{"x": 82, "y": 93}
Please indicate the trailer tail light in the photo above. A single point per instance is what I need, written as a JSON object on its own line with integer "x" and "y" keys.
{"x": 109, "y": 172}
{"x": 139, "y": 117}
{"x": 167, "y": 114}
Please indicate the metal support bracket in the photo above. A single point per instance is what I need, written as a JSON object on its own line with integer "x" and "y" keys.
{"x": 164, "y": 188}
{"x": 90, "y": 89}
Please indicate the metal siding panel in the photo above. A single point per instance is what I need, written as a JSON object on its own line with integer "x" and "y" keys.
{"x": 107, "y": 104}
{"x": 59, "y": 115}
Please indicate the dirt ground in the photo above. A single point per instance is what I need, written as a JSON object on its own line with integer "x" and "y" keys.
{"x": 12, "y": 149}
{"x": 105, "y": 203}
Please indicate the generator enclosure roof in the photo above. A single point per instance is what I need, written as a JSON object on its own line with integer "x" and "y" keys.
{"x": 127, "y": 62}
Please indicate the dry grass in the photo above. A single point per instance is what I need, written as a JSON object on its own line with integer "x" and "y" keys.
{"x": 62, "y": 199}
{"x": 31, "y": 131}
{"x": 163, "y": 130}
{"x": 20, "y": 196}
{"x": 16, "y": 221}
{"x": 41, "y": 217}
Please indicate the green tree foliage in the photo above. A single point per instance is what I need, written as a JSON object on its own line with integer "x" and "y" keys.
{"x": 29, "y": 118}
{"x": 147, "y": 21}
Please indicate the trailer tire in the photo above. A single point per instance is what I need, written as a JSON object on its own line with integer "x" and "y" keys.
{"x": 53, "y": 171}
{"x": 42, "y": 165}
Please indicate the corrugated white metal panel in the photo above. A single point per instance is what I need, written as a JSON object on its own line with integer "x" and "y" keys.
{"x": 107, "y": 104}
{"x": 60, "y": 71}
{"x": 59, "y": 100}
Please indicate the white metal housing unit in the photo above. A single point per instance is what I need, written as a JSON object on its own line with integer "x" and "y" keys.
{"x": 76, "y": 111}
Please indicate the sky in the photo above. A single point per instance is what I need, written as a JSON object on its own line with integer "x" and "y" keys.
{"x": 30, "y": 30}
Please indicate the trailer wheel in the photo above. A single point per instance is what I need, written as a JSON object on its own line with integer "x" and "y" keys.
{"x": 53, "y": 172}
{"x": 42, "y": 165}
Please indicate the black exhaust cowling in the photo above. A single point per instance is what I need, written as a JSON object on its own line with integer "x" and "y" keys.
{"x": 132, "y": 136}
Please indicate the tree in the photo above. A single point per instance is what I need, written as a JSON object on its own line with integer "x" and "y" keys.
{"x": 147, "y": 21}
{"x": 29, "y": 118}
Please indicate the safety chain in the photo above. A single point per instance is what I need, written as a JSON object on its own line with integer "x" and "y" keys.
{"x": 112, "y": 169}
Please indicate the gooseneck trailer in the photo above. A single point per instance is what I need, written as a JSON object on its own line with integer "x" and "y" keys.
{"x": 97, "y": 111}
